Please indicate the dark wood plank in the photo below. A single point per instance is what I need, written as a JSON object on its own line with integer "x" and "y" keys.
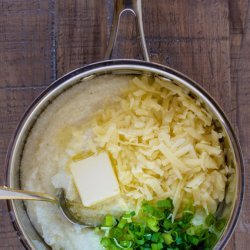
{"x": 81, "y": 33}
{"x": 25, "y": 43}
{"x": 26, "y": 52}
{"x": 240, "y": 77}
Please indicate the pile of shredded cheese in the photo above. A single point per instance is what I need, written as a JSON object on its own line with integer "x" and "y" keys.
{"x": 163, "y": 143}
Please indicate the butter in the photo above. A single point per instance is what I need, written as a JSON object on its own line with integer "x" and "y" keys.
{"x": 95, "y": 179}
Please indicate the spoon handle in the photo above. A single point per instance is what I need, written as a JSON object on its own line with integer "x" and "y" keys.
{"x": 7, "y": 193}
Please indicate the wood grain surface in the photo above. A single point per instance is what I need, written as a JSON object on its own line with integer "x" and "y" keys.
{"x": 40, "y": 40}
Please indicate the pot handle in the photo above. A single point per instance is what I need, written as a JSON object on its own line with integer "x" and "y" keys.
{"x": 121, "y": 6}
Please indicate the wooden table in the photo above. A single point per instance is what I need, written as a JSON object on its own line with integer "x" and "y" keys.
{"x": 209, "y": 40}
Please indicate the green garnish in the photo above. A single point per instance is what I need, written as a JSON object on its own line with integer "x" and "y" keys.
{"x": 153, "y": 229}
{"x": 109, "y": 221}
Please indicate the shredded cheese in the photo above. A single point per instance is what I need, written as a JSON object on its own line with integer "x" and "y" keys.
{"x": 163, "y": 144}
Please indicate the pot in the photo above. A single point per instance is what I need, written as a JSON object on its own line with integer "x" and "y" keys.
{"x": 23, "y": 226}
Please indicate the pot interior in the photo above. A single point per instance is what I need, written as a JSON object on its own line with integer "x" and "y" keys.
{"x": 27, "y": 233}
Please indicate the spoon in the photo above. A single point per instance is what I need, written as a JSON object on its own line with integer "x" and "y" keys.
{"x": 7, "y": 193}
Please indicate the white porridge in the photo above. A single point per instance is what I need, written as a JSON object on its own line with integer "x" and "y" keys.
{"x": 54, "y": 139}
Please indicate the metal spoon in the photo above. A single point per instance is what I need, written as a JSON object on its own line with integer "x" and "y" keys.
{"x": 7, "y": 193}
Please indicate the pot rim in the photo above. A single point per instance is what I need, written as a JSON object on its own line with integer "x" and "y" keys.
{"x": 121, "y": 65}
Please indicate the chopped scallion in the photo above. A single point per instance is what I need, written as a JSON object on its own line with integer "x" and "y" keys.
{"x": 153, "y": 229}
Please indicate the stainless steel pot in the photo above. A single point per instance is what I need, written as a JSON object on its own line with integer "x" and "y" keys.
{"x": 26, "y": 232}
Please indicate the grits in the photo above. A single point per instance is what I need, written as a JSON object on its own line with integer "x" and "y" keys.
{"x": 55, "y": 137}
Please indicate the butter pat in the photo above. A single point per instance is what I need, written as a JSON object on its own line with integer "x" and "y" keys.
{"x": 95, "y": 179}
